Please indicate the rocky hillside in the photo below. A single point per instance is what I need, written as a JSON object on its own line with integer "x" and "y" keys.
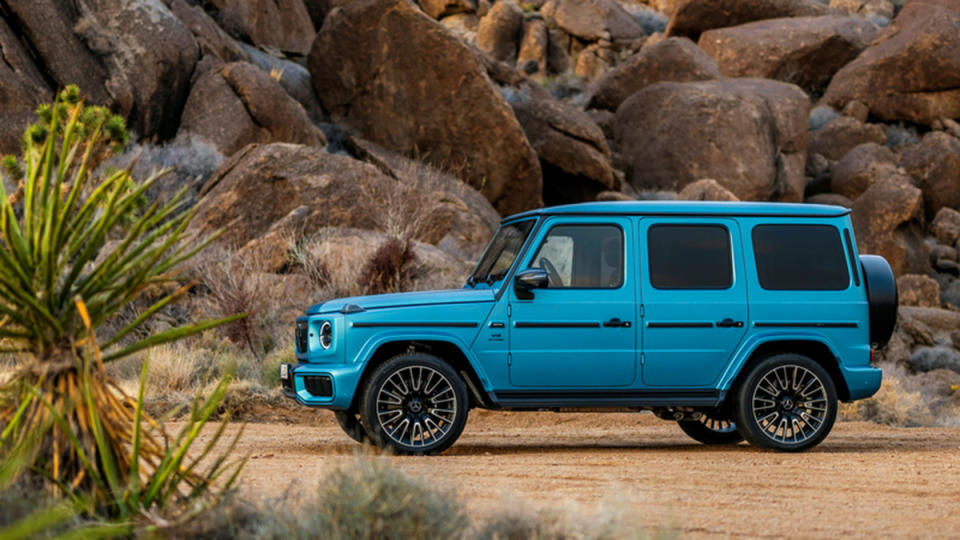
{"x": 429, "y": 120}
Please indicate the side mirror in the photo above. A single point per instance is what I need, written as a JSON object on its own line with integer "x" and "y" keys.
{"x": 529, "y": 279}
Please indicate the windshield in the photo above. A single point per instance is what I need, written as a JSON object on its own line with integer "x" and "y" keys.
{"x": 500, "y": 254}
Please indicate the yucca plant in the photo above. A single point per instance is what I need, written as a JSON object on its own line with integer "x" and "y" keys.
{"x": 57, "y": 289}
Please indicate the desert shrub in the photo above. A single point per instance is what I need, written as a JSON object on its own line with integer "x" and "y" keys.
{"x": 390, "y": 269}
{"x": 899, "y": 134}
{"x": 937, "y": 357}
{"x": 905, "y": 400}
{"x": 371, "y": 499}
{"x": 567, "y": 86}
{"x": 650, "y": 19}
{"x": 61, "y": 414}
{"x": 236, "y": 284}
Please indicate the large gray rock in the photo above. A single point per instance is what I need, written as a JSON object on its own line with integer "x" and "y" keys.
{"x": 235, "y": 104}
{"x": 132, "y": 55}
{"x": 385, "y": 69}
{"x": 23, "y": 88}
{"x": 210, "y": 37}
{"x": 499, "y": 32}
{"x": 935, "y": 166}
{"x": 912, "y": 70}
{"x": 591, "y": 20}
{"x": 805, "y": 51}
{"x": 261, "y": 184}
{"x": 281, "y": 24}
{"x": 573, "y": 151}
{"x": 672, "y": 59}
{"x": 888, "y": 221}
{"x": 747, "y": 134}
{"x": 692, "y": 17}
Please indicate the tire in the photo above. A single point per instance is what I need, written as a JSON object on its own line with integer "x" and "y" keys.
{"x": 414, "y": 403}
{"x": 711, "y": 430}
{"x": 349, "y": 422}
{"x": 787, "y": 402}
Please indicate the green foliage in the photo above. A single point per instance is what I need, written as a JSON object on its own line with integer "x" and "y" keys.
{"x": 61, "y": 414}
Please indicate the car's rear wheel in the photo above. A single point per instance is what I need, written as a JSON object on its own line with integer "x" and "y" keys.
{"x": 787, "y": 402}
{"x": 711, "y": 429}
{"x": 414, "y": 403}
{"x": 349, "y": 422}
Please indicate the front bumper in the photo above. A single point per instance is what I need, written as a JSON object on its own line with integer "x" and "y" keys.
{"x": 325, "y": 386}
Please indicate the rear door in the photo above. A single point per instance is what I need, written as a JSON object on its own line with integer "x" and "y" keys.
{"x": 694, "y": 299}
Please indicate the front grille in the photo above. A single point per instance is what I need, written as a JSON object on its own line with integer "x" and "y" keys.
{"x": 318, "y": 385}
{"x": 300, "y": 336}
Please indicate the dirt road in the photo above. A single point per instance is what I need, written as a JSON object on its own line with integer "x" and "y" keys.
{"x": 865, "y": 480}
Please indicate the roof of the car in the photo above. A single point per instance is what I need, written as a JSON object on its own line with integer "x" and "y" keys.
{"x": 688, "y": 208}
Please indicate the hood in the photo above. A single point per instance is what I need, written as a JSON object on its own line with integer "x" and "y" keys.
{"x": 409, "y": 299}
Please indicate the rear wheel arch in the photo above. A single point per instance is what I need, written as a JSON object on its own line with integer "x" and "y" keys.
{"x": 815, "y": 350}
{"x": 445, "y": 350}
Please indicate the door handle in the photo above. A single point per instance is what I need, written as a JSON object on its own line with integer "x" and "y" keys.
{"x": 614, "y": 323}
{"x": 729, "y": 323}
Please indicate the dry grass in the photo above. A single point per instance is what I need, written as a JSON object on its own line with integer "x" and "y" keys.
{"x": 906, "y": 400}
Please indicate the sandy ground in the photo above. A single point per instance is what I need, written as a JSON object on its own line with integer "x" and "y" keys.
{"x": 865, "y": 480}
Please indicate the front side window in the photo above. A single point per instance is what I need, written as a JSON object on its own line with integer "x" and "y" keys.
{"x": 690, "y": 257}
{"x": 582, "y": 257}
{"x": 800, "y": 258}
{"x": 501, "y": 252}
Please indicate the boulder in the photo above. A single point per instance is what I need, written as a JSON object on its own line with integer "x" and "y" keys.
{"x": 805, "y": 51}
{"x": 595, "y": 60}
{"x": 747, "y": 134}
{"x": 498, "y": 33}
{"x": 270, "y": 252}
{"x": 692, "y": 17}
{"x": 293, "y": 77}
{"x": 462, "y": 25}
{"x": 285, "y": 25}
{"x": 888, "y": 221}
{"x": 935, "y": 166}
{"x": 862, "y": 167}
{"x": 573, "y": 151}
{"x": 912, "y": 70}
{"x": 841, "y": 135}
{"x": 830, "y": 198}
{"x": 946, "y": 226}
{"x": 261, "y": 184}
{"x": 464, "y": 221}
{"x": 397, "y": 77}
{"x": 707, "y": 189}
{"x": 235, "y": 104}
{"x": 439, "y": 9}
{"x": 210, "y": 37}
{"x": 131, "y": 55}
{"x": 879, "y": 8}
{"x": 672, "y": 59}
{"x": 918, "y": 290}
{"x": 23, "y": 88}
{"x": 558, "y": 59}
{"x": 591, "y": 20}
{"x": 613, "y": 196}
{"x": 532, "y": 55}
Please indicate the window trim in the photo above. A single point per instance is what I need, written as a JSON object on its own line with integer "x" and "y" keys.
{"x": 623, "y": 255}
{"x": 730, "y": 257}
{"x": 840, "y": 243}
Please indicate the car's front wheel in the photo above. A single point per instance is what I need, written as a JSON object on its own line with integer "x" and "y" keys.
{"x": 414, "y": 403}
{"x": 787, "y": 402}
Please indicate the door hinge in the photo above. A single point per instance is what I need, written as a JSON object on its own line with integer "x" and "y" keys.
{"x": 643, "y": 359}
{"x": 641, "y": 311}
{"x": 509, "y": 359}
{"x": 509, "y": 310}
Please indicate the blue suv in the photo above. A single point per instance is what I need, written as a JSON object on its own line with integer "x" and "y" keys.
{"x": 736, "y": 320}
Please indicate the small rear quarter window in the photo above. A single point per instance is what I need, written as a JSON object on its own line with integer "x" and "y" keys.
{"x": 800, "y": 258}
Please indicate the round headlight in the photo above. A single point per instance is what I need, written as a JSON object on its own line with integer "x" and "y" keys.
{"x": 326, "y": 335}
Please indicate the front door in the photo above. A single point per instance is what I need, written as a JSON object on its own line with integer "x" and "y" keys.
{"x": 694, "y": 299}
{"x": 580, "y": 331}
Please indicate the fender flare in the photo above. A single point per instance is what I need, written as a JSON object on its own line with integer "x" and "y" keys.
{"x": 373, "y": 344}
{"x": 755, "y": 341}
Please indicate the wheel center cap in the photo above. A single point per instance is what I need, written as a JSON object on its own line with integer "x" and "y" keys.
{"x": 415, "y": 405}
{"x": 787, "y": 403}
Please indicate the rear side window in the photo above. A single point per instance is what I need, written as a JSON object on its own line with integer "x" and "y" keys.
{"x": 800, "y": 258}
{"x": 690, "y": 257}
